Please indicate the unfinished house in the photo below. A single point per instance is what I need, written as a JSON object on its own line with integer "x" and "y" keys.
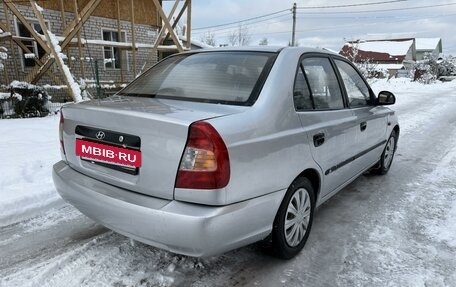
{"x": 97, "y": 46}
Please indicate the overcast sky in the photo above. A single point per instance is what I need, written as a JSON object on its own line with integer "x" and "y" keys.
{"x": 327, "y": 27}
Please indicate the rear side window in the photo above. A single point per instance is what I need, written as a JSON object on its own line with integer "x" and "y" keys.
{"x": 323, "y": 84}
{"x": 301, "y": 93}
{"x": 217, "y": 77}
{"x": 357, "y": 90}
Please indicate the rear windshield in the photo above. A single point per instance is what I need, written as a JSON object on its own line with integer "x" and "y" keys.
{"x": 217, "y": 77}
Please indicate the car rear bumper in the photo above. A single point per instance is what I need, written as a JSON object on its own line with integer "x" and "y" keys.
{"x": 180, "y": 227}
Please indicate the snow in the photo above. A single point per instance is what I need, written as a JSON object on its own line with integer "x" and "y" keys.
{"x": 396, "y": 230}
{"x": 195, "y": 42}
{"x": 17, "y": 96}
{"x": 54, "y": 87}
{"x": 73, "y": 85}
{"x": 29, "y": 55}
{"x": 99, "y": 42}
{"x": 109, "y": 60}
{"x": 393, "y": 48}
{"x": 21, "y": 85}
{"x": 389, "y": 66}
{"x": 38, "y": 7}
{"x": 87, "y": 59}
{"x": 29, "y": 148}
{"x": 5, "y": 34}
{"x": 426, "y": 43}
{"x": 3, "y": 55}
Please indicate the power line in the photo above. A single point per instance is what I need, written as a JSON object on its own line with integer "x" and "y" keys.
{"x": 224, "y": 29}
{"x": 241, "y": 21}
{"x": 248, "y": 20}
{"x": 249, "y": 24}
{"x": 379, "y": 10}
{"x": 351, "y": 5}
{"x": 227, "y": 31}
{"x": 335, "y": 27}
{"x": 357, "y": 25}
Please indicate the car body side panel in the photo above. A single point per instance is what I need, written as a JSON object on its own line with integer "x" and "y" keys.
{"x": 339, "y": 129}
{"x": 269, "y": 136}
{"x": 372, "y": 139}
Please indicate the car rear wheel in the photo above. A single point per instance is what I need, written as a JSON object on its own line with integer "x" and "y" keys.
{"x": 384, "y": 164}
{"x": 294, "y": 219}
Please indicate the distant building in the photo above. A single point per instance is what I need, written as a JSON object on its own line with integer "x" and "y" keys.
{"x": 393, "y": 51}
{"x": 431, "y": 46}
{"x": 391, "y": 54}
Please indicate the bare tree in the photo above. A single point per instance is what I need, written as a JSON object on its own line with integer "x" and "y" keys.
{"x": 240, "y": 37}
{"x": 244, "y": 35}
{"x": 233, "y": 38}
{"x": 209, "y": 38}
{"x": 365, "y": 65}
{"x": 263, "y": 42}
{"x": 353, "y": 50}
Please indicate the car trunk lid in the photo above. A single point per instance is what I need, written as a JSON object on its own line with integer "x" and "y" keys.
{"x": 155, "y": 130}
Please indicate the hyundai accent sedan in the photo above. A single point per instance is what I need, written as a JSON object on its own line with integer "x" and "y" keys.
{"x": 212, "y": 150}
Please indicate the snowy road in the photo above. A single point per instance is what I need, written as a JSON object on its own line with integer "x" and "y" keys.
{"x": 396, "y": 230}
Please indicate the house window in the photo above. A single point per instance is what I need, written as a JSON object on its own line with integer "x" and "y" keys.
{"x": 112, "y": 55}
{"x": 32, "y": 45}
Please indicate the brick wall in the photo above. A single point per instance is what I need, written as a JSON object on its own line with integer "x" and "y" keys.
{"x": 92, "y": 29}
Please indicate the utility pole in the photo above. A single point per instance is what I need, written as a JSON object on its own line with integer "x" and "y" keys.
{"x": 293, "y": 33}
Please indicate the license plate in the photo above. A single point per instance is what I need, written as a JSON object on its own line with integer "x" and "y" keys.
{"x": 107, "y": 153}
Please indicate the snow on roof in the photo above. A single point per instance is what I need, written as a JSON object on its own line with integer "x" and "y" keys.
{"x": 394, "y": 48}
{"x": 389, "y": 66}
{"x": 195, "y": 42}
{"x": 426, "y": 43}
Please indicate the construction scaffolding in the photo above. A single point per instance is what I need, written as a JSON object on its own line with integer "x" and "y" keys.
{"x": 64, "y": 49}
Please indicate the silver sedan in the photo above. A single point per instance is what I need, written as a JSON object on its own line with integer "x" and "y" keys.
{"x": 216, "y": 149}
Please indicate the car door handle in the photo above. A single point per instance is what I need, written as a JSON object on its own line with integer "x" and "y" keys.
{"x": 319, "y": 139}
{"x": 363, "y": 126}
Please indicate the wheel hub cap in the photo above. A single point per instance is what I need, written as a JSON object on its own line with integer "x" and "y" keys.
{"x": 297, "y": 217}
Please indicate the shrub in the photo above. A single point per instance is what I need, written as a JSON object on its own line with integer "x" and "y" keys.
{"x": 28, "y": 100}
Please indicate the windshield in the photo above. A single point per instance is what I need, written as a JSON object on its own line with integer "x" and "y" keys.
{"x": 217, "y": 77}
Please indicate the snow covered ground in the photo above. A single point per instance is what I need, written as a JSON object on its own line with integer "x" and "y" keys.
{"x": 396, "y": 230}
{"x": 28, "y": 148}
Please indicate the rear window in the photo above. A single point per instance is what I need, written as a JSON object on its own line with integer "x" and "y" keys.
{"x": 216, "y": 77}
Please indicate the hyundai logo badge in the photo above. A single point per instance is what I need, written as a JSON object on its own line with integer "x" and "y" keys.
{"x": 100, "y": 135}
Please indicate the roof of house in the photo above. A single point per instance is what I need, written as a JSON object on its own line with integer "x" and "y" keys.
{"x": 426, "y": 43}
{"x": 394, "y": 50}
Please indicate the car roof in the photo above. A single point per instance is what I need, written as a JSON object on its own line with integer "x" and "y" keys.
{"x": 273, "y": 49}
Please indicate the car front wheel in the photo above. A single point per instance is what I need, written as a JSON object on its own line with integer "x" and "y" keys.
{"x": 294, "y": 219}
{"x": 384, "y": 164}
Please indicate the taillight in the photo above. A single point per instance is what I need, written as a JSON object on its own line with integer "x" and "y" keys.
{"x": 205, "y": 163}
{"x": 62, "y": 120}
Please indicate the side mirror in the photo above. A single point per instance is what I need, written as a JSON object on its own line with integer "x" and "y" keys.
{"x": 386, "y": 98}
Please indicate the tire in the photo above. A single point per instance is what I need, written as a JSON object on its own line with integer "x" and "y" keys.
{"x": 384, "y": 164}
{"x": 300, "y": 197}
